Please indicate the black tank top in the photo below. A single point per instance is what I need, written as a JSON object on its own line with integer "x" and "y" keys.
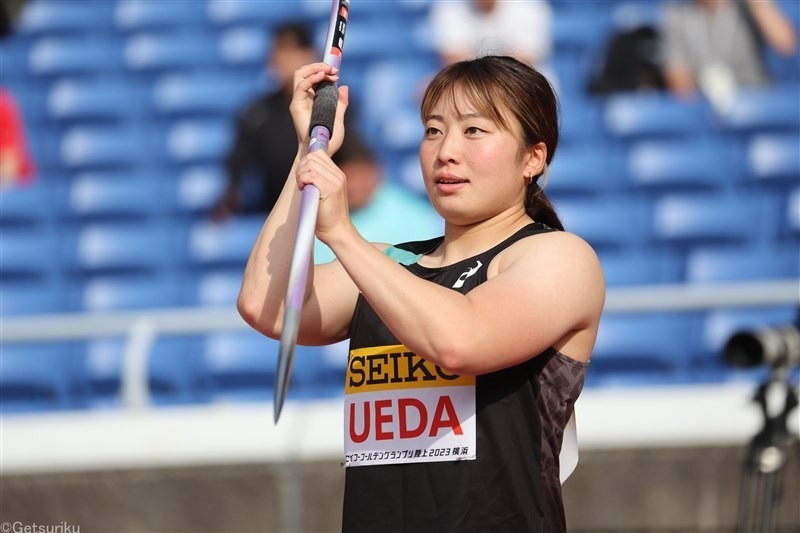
{"x": 509, "y": 481}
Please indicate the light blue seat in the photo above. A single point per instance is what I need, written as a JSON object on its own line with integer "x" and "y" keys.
{"x": 640, "y": 267}
{"x": 775, "y": 157}
{"x": 96, "y": 146}
{"x": 580, "y": 30}
{"x": 240, "y": 366}
{"x": 74, "y": 55}
{"x": 198, "y": 141}
{"x": 203, "y": 93}
{"x": 244, "y": 45}
{"x": 707, "y": 218}
{"x": 686, "y": 163}
{"x": 31, "y": 298}
{"x": 37, "y": 377}
{"x": 31, "y": 204}
{"x": 631, "y": 115}
{"x": 120, "y": 246}
{"x": 764, "y": 262}
{"x": 128, "y": 291}
{"x": 228, "y": 242}
{"x": 199, "y": 188}
{"x": 115, "y": 196}
{"x": 174, "y": 373}
{"x": 605, "y": 223}
{"x": 218, "y": 288}
{"x": 56, "y": 16}
{"x": 763, "y": 108}
{"x": 94, "y": 99}
{"x": 584, "y": 168}
{"x": 227, "y": 12}
{"x": 136, "y": 15}
{"x": 793, "y": 211}
{"x": 581, "y": 120}
{"x": 179, "y": 50}
{"x": 27, "y": 251}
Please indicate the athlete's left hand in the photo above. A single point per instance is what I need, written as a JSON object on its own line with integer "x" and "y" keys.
{"x": 333, "y": 216}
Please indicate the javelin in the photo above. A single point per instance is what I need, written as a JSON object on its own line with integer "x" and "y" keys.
{"x": 323, "y": 113}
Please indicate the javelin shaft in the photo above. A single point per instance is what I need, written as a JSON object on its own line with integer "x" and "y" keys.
{"x": 321, "y": 130}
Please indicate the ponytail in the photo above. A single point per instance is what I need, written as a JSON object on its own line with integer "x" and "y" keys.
{"x": 539, "y": 207}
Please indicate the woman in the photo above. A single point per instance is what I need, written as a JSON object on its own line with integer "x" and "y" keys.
{"x": 467, "y": 352}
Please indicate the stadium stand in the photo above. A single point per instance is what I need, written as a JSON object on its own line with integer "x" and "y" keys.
{"x": 130, "y": 107}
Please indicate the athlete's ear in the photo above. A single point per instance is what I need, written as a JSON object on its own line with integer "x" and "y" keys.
{"x": 535, "y": 159}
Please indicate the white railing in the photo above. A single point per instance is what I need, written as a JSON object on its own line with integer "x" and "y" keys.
{"x": 141, "y": 328}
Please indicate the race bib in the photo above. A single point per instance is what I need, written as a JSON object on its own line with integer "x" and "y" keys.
{"x": 400, "y": 408}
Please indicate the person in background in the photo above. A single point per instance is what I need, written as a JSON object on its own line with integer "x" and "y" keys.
{"x": 713, "y": 46}
{"x": 466, "y": 29}
{"x": 16, "y": 163}
{"x": 382, "y": 211}
{"x": 264, "y": 141}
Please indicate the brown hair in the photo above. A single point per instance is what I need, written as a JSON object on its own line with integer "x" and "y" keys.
{"x": 499, "y": 84}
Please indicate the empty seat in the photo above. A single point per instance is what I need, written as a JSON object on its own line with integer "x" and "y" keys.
{"x": 244, "y": 45}
{"x": 605, "y": 223}
{"x": 240, "y": 365}
{"x": 203, "y": 93}
{"x": 129, "y": 291}
{"x": 654, "y": 114}
{"x": 581, "y": 120}
{"x": 31, "y": 297}
{"x": 30, "y": 205}
{"x": 227, "y": 242}
{"x": 761, "y": 108}
{"x": 37, "y": 377}
{"x": 637, "y": 267}
{"x": 580, "y": 30}
{"x": 110, "y": 196}
{"x": 587, "y": 168}
{"x": 200, "y": 188}
{"x": 225, "y": 12}
{"x": 94, "y": 99}
{"x": 793, "y": 211}
{"x": 55, "y": 16}
{"x": 27, "y": 252}
{"x": 135, "y": 15}
{"x": 95, "y": 146}
{"x": 707, "y": 217}
{"x": 120, "y": 246}
{"x": 763, "y": 262}
{"x": 219, "y": 288}
{"x": 74, "y": 55}
{"x": 192, "y": 141}
{"x": 775, "y": 156}
{"x": 171, "y": 51}
{"x": 686, "y": 163}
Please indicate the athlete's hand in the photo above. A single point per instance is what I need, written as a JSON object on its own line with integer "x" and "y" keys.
{"x": 333, "y": 216}
{"x": 305, "y": 78}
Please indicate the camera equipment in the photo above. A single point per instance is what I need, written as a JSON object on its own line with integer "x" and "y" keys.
{"x": 770, "y": 448}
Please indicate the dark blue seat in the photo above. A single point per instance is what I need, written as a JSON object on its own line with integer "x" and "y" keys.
{"x": 759, "y": 262}
{"x": 74, "y": 55}
{"x": 37, "y": 377}
{"x": 653, "y": 114}
{"x": 775, "y": 157}
{"x": 227, "y": 242}
{"x": 640, "y": 267}
{"x": 580, "y": 30}
{"x": 137, "y": 15}
{"x": 606, "y": 222}
{"x": 686, "y": 163}
{"x": 29, "y": 205}
{"x": 199, "y": 141}
{"x": 584, "y": 168}
{"x": 80, "y": 99}
{"x": 706, "y": 218}
{"x": 28, "y": 252}
{"x": 203, "y": 93}
{"x": 793, "y": 211}
{"x": 764, "y": 108}
{"x": 31, "y": 297}
{"x": 226, "y": 12}
{"x": 50, "y": 17}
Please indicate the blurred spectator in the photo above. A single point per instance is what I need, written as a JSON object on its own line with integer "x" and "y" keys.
{"x": 466, "y": 29}
{"x": 630, "y": 63}
{"x": 16, "y": 163}
{"x": 713, "y": 46}
{"x": 381, "y": 211}
{"x": 265, "y": 142}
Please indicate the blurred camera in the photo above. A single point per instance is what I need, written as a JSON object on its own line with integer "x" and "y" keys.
{"x": 777, "y": 346}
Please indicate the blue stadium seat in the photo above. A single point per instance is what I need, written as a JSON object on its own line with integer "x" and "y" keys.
{"x": 767, "y": 108}
{"x": 720, "y": 325}
{"x": 103, "y": 146}
{"x": 708, "y": 218}
{"x": 760, "y": 262}
{"x": 226, "y": 12}
{"x": 686, "y": 163}
{"x": 128, "y": 291}
{"x": 227, "y": 242}
{"x": 200, "y": 188}
{"x": 164, "y": 51}
{"x": 14, "y": 55}
{"x": 31, "y": 297}
{"x": 643, "y": 342}
{"x": 775, "y": 156}
{"x": 580, "y": 30}
{"x": 80, "y": 99}
{"x": 240, "y": 366}
{"x": 203, "y": 93}
{"x": 30, "y": 205}
{"x": 793, "y": 211}
{"x": 581, "y": 120}
{"x": 655, "y": 115}
{"x": 219, "y": 288}
{"x": 27, "y": 252}
{"x": 56, "y": 16}
{"x": 37, "y": 377}
{"x": 584, "y": 168}
{"x": 115, "y": 196}
{"x": 605, "y": 223}
{"x": 120, "y": 246}
{"x": 74, "y": 55}
{"x": 137, "y": 15}
{"x": 244, "y": 45}
{"x": 638, "y": 267}
{"x": 197, "y": 141}
{"x": 175, "y": 372}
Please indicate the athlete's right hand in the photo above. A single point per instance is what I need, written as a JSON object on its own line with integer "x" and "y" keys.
{"x": 305, "y": 78}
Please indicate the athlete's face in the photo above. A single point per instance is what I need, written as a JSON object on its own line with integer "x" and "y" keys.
{"x": 473, "y": 168}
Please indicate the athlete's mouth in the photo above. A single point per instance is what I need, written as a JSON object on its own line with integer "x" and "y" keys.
{"x": 449, "y": 180}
